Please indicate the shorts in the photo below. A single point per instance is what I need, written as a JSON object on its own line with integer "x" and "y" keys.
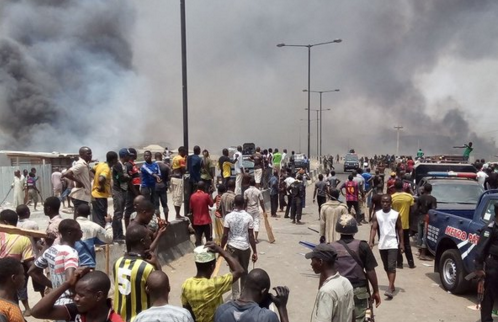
{"x": 177, "y": 191}
{"x": 258, "y": 174}
{"x": 256, "y": 219}
{"x": 389, "y": 258}
{"x": 33, "y": 195}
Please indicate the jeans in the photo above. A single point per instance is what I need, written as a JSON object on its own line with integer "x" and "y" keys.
{"x": 243, "y": 257}
{"x": 408, "y": 249}
{"x": 421, "y": 233}
{"x": 356, "y": 206}
{"x": 99, "y": 211}
{"x": 202, "y": 229}
{"x": 297, "y": 208}
{"x": 119, "y": 199}
{"x": 321, "y": 200}
{"x": 281, "y": 198}
{"x": 274, "y": 204}
{"x": 289, "y": 205}
{"x": 161, "y": 197}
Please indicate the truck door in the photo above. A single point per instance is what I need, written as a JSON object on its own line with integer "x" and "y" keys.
{"x": 487, "y": 214}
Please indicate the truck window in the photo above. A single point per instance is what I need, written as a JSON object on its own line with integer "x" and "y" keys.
{"x": 490, "y": 211}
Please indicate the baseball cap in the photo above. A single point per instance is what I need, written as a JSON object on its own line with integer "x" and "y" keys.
{"x": 203, "y": 255}
{"x": 124, "y": 152}
{"x": 323, "y": 251}
{"x": 132, "y": 151}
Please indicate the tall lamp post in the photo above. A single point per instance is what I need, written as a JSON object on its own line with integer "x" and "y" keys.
{"x": 398, "y": 128}
{"x": 186, "y": 204}
{"x": 309, "y": 80}
{"x": 321, "y": 92}
{"x": 318, "y": 120}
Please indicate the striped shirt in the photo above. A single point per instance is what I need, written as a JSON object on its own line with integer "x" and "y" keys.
{"x": 204, "y": 295}
{"x": 58, "y": 259}
{"x": 130, "y": 298}
{"x": 166, "y": 312}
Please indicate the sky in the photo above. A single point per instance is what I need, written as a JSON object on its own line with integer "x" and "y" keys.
{"x": 107, "y": 74}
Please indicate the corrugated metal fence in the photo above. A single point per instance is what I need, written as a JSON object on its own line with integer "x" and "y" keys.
{"x": 44, "y": 184}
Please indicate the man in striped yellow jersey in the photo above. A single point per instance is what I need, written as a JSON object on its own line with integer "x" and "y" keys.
{"x": 131, "y": 272}
{"x": 202, "y": 294}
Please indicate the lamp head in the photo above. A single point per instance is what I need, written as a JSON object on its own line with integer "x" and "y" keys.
{"x": 282, "y": 45}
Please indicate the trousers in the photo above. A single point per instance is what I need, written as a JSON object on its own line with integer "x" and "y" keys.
{"x": 408, "y": 249}
{"x": 118, "y": 199}
{"x": 490, "y": 290}
{"x": 274, "y": 204}
{"x": 297, "y": 209}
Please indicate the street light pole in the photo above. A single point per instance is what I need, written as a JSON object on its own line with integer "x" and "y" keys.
{"x": 398, "y": 128}
{"x": 309, "y": 81}
{"x": 186, "y": 204}
{"x": 320, "y": 92}
{"x": 318, "y": 128}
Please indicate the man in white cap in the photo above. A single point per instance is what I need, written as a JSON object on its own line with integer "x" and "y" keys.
{"x": 201, "y": 294}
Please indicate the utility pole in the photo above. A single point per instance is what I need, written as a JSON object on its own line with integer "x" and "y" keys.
{"x": 398, "y": 128}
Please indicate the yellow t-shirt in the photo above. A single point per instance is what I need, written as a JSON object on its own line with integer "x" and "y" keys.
{"x": 178, "y": 162}
{"x": 204, "y": 295}
{"x": 16, "y": 246}
{"x": 102, "y": 169}
{"x": 402, "y": 202}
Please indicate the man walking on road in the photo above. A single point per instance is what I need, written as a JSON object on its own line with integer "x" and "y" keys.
{"x": 356, "y": 262}
{"x": 331, "y": 211}
{"x": 353, "y": 193}
{"x": 273, "y": 185}
{"x": 320, "y": 193}
{"x": 388, "y": 222}
{"x": 297, "y": 194}
{"x": 257, "y": 157}
{"x": 239, "y": 170}
{"x": 238, "y": 233}
{"x": 200, "y": 202}
{"x": 335, "y": 298}
{"x": 253, "y": 200}
{"x": 227, "y": 199}
{"x": 402, "y": 202}
{"x": 80, "y": 174}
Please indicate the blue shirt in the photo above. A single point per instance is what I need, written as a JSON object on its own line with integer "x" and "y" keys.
{"x": 273, "y": 186}
{"x": 194, "y": 167}
{"x": 86, "y": 251}
{"x": 367, "y": 177}
{"x": 146, "y": 173}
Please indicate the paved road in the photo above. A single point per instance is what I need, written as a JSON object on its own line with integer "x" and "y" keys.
{"x": 419, "y": 297}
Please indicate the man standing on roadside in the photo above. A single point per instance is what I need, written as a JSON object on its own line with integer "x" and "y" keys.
{"x": 194, "y": 164}
{"x": 225, "y": 165}
{"x": 253, "y": 200}
{"x": 18, "y": 187}
{"x": 101, "y": 189}
{"x": 273, "y": 183}
{"x": 238, "y": 237}
{"x": 277, "y": 159}
{"x": 402, "y": 202}
{"x": 149, "y": 175}
{"x": 239, "y": 170}
{"x": 178, "y": 170}
{"x": 228, "y": 198}
{"x": 425, "y": 203}
{"x": 200, "y": 202}
{"x": 335, "y": 298}
{"x": 331, "y": 211}
{"x": 80, "y": 174}
{"x": 207, "y": 171}
{"x": 320, "y": 193}
{"x": 388, "y": 222}
{"x": 162, "y": 187}
{"x": 257, "y": 157}
{"x": 133, "y": 185}
{"x": 119, "y": 193}
{"x": 56, "y": 182}
{"x": 253, "y": 302}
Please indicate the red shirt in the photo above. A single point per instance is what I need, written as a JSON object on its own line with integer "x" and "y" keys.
{"x": 199, "y": 205}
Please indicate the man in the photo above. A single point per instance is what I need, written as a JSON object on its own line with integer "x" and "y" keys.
{"x": 92, "y": 234}
{"x": 335, "y": 298}
{"x": 90, "y": 300}
{"x": 61, "y": 260}
{"x": 178, "y": 170}
{"x": 425, "y": 203}
{"x": 320, "y": 192}
{"x": 18, "y": 247}
{"x": 202, "y": 294}
{"x": 207, "y": 171}
{"x": 358, "y": 178}
{"x": 239, "y": 170}
{"x": 144, "y": 217}
{"x": 292, "y": 162}
{"x": 56, "y": 182}
{"x": 253, "y": 302}
{"x": 333, "y": 181}
{"x": 167, "y": 155}
{"x": 267, "y": 169}
{"x": 468, "y": 149}
{"x": 194, "y": 162}
{"x": 356, "y": 262}
{"x": 227, "y": 199}
{"x": 80, "y": 174}
{"x": 487, "y": 252}
{"x": 225, "y": 165}
{"x": 353, "y": 192}
{"x": 257, "y": 157}
{"x": 18, "y": 187}
{"x": 368, "y": 178}
{"x": 131, "y": 272}
{"x": 33, "y": 191}
{"x": 481, "y": 175}
{"x": 51, "y": 208}
{"x": 200, "y": 202}
{"x": 253, "y": 200}
{"x": 101, "y": 189}
{"x": 149, "y": 176}
{"x": 378, "y": 183}
{"x": 158, "y": 288}
{"x": 120, "y": 188}
{"x": 133, "y": 184}
{"x": 420, "y": 153}
{"x": 67, "y": 186}
{"x": 277, "y": 159}
{"x": 162, "y": 187}
{"x": 12, "y": 279}
{"x": 388, "y": 222}
{"x": 238, "y": 237}
{"x": 390, "y": 183}
{"x": 297, "y": 194}
{"x": 273, "y": 183}
{"x": 402, "y": 202}
{"x": 331, "y": 211}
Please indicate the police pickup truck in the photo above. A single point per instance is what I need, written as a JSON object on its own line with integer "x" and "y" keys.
{"x": 452, "y": 238}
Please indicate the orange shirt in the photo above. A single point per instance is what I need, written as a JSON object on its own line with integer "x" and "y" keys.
{"x": 10, "y": 311}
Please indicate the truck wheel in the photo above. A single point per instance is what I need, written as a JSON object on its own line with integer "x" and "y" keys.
{"x": 451, "y": 272}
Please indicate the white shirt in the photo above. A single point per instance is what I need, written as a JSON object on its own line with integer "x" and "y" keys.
{"x": 481, "y": 177}
{"x": 164, "y": 313}
{"x": 93, "y": 230}
{"x": 238, "y": 164}
{"x": 56, "y": 181}
{"x": 288, "y": 181}
{"x": 239, "y": 223}
{"x": 387, "y": 227}
{"x": 81, "y": 171}
{"x": 334, "y": 301}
